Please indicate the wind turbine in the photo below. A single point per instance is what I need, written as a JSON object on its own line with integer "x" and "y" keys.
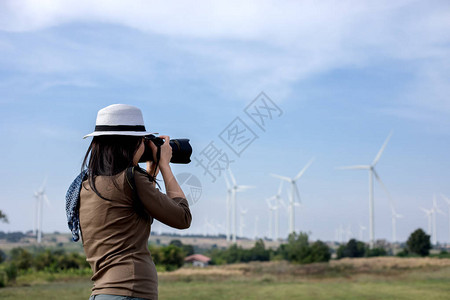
{"x": 219, "y": 227}
{"x": 429, "y": 214}
{"x": 272, "y": 209}
{"x": 241, "y": 222}
{"x": 448, "y": 203}
{"x": 278, "y": 202}
{"x": 361, "y": 231}
{"x": 229, "y": 197}
{"x": 294, "y": 191}
{"x": 372, "y": 173}
{"x": 255, "y": 233}
{"x": 342, "y": 232}
{"x": 40, "y": 196}
{"x": 349, "y": 232}
{"x": 395, "y": 216}
{"x": 435, "y": 210}
{"x": 234, "y": 189}
{"x": 207, "y": 225}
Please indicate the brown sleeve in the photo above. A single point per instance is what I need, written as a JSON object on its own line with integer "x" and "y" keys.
{"x": 172, "y": 212}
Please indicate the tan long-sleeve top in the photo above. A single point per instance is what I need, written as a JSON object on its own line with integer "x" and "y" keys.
{"x": 115, "y": 238}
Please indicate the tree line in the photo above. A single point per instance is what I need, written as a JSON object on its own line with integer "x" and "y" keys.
{"x": 20, "y": 260}
{"x": 298, "y": 249}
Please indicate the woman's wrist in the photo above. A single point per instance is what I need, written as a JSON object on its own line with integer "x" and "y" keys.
{"x": 164, "y": 168}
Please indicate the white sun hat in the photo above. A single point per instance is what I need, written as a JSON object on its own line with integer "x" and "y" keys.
{"x": 119, "y": 119}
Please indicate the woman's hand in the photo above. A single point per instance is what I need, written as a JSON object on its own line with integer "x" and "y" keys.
{"x": 166, "y": 150}
{"x": 165, "y": 155}
{"x": 151, "y": 165}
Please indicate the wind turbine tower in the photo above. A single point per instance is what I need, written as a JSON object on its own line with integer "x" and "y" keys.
{"x": 372, "y": 173}
{"x": 40, "y": 196}
{"x": 271, "y": 211}
{"x": 395, "y": 216}
{"x": 294, "y": 192}
{"x": 242, "y": 222}
{"x": 278, "y": 202}
{"x": 228, "y": 207}
{"x": 435, "y": 210}
{"x": 255, "y": 233}
{"x": 361, "y": 231}
{"x": 448, "y": 203}
{"x": 234, "y": 189}
{"x": 429, "y": 214}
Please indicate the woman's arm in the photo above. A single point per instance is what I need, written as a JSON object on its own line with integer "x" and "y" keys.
{"x": 173, "y": 189}
{"x": 171, "y": 208}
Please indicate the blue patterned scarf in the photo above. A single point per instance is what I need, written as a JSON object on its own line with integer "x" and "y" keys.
{"x": 73, "y": 205}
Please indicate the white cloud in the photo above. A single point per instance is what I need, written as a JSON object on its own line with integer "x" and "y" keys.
{"x": 251, "y": 44}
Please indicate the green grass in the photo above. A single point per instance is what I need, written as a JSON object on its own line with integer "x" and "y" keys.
{"x": 262, "y": 282}
{"x": 418, "y": 284}
{"x": 73, "y": 290}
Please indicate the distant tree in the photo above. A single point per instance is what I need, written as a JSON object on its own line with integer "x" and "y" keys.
{"x": 177, "y": 243}
{"x": 320, "y": 252}
{"x": 259, "y": 252}
{"x": 3, "y": 217}
{"x": 297, "y": 248}
{"x": 14, "y": 237}
{"x": 233, "y": 254}
{"x": 156, "y": 254}
{"x": 173, "y": 256}
{"x": 353, "y": 248}
{"x": 379, "y": 251}
{"x": 2, "y": 256}
{"x": 21, "y": 258}
{"x": 188, "y": 249}
{"x": 419, "y": 243}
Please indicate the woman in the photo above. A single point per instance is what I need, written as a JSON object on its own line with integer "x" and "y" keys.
{"x": 116, "y": 210}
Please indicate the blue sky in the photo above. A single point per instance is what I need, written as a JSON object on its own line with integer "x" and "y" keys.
{"x": 344, "y": 76}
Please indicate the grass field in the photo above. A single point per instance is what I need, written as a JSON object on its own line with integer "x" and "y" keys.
{"x": 377, "y": 278}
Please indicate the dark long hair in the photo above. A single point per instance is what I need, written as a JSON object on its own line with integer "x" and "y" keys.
{"x": 108, "y": 155}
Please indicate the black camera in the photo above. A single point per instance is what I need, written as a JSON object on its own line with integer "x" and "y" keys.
{"x": 181, "y": 149}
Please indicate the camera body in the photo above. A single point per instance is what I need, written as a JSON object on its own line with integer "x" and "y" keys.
{"x": 181, "y": 149}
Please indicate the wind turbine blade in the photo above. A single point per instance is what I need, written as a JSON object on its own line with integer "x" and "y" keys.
{"x": 357, "y": 167}
{"x": 384, "y": 187}
{"x": 227, "y": 182}
{"x": 281, "y": 177}
{"x": 300, "y": 174}
{"x": 280, "y": 188}
{"x": 46, "y": 200}
{"x": 43, "y": 185}
{"x": 377, "y": 158}
{"x": 272, "y": 198}
{"x": 232, "y": 177}
{"x": 241, "y": 188}
{"x": 435, "y": 207}
{"x": 439, "y": 211}
{"x": 425, "y": 210}
{"x": 446, "y": 199}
